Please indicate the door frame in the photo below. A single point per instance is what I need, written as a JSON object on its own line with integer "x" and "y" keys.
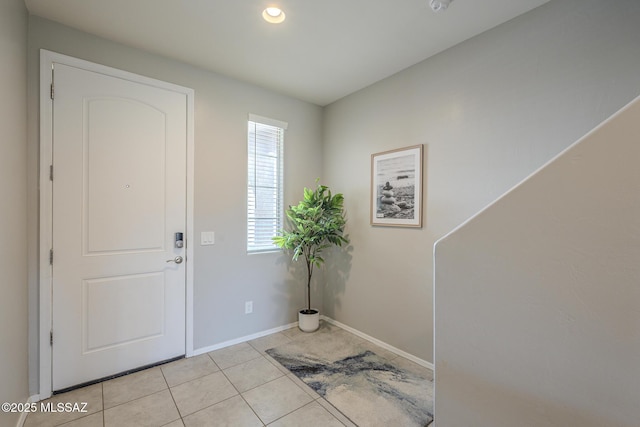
{"x": 47, "y": 59}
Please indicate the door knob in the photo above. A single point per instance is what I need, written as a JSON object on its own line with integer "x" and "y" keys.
{"x": 177, "y": 260}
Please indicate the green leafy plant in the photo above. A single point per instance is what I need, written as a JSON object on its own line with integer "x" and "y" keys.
{"x": 315, "y": 224}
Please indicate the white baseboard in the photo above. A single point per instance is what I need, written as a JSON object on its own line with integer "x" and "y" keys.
{"x": 369, "y": 338}
{"x": 382, "y": 344}
{"x": 23, "y": 415}
{"x": 246, "y": 338}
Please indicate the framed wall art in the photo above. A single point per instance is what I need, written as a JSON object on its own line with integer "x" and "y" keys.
{"x": 396, "y": 187}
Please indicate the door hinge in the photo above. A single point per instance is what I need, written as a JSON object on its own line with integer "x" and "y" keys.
{"x": 50, "y": 256}
{"x": 51, "y": 337}
{"x": 52, "y": 91}
{"x": 50, "y": 172}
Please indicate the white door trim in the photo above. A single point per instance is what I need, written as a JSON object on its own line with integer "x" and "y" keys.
{"x": 47, "y": 59}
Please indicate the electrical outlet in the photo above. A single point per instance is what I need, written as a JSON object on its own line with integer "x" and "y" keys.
{"x": 248, "y": 307}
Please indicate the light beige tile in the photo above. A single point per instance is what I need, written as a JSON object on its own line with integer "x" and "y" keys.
{"x": 233, "y": 412}
{"x": 195, "y": 395}
{"x": 91, "y": 395}
{"x": 311, "y": 415}
{"x": 327, "y": 327}
{"x": 330, "y": 346}
{"x": 269, "y": 341}
{"x": 133, "y": 386}
{"x": 276, "y": 399}
{"x": 252, "y": 374}
{"x": 311, "y": 392}
{"x": 184, "y": 370}
{"x": 234, "y": 355}
{"x": 94, "y": 420}
{"x": 276, "y": 364}
{"x": 333, "y": 411}
{"x": 155, "y": 410}
{"x": 176, "y": 423}
{"x": 294, "y": 333}
{"x": 337, "y": 334}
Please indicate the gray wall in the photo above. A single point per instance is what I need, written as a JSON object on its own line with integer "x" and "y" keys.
{"x": 561, "y": 254}
{"x": 225, "y": 276}
{"x": 490, "y": 111}
{"x": 13, "y": 194}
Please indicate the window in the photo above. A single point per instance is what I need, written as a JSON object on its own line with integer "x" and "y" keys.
{"x": 265, "y": 175}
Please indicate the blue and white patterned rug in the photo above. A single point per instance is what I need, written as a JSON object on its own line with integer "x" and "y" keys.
{"x": 368, "y": 389}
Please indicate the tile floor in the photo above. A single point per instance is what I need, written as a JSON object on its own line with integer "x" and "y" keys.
{"x": 236, "y": 386}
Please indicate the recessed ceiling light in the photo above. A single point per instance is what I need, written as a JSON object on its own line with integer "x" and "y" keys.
{"x": 274, "y": 15}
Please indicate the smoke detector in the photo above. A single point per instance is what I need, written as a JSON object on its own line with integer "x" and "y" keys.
{"x": 439, "y": 5}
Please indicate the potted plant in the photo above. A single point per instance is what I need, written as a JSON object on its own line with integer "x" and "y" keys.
{"x": 316, "y": 223}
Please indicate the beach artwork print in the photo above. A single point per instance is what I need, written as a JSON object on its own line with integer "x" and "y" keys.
{"x": 396, "y": 187}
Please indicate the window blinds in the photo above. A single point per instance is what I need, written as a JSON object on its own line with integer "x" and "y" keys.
{"x": 265, "y": 182}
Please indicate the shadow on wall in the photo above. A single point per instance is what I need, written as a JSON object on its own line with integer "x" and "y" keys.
{"x": 337, "y": 270}
{"x": 292, "y": 289}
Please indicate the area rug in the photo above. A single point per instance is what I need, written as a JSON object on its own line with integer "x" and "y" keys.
{"x": 368, "y": 389}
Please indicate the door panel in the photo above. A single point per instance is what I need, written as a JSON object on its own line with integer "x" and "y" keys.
{"x": 137, "y": 299}
{"x": 123, "y": 202}
{"x": 119, "y": 195}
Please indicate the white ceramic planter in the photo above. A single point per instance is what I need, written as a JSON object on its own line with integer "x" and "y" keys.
{"x": 308, "y": 322}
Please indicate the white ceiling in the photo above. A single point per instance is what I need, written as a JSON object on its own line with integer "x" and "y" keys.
{"x": 324, "y": 50}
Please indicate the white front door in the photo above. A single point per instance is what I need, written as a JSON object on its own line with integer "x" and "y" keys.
{"x": 119, "y": 197}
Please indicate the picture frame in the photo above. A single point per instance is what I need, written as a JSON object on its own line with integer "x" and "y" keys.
{"x": 396, "y": 187}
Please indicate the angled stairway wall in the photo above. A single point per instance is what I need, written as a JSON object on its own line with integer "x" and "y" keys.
{"x": 537, "y": 298}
